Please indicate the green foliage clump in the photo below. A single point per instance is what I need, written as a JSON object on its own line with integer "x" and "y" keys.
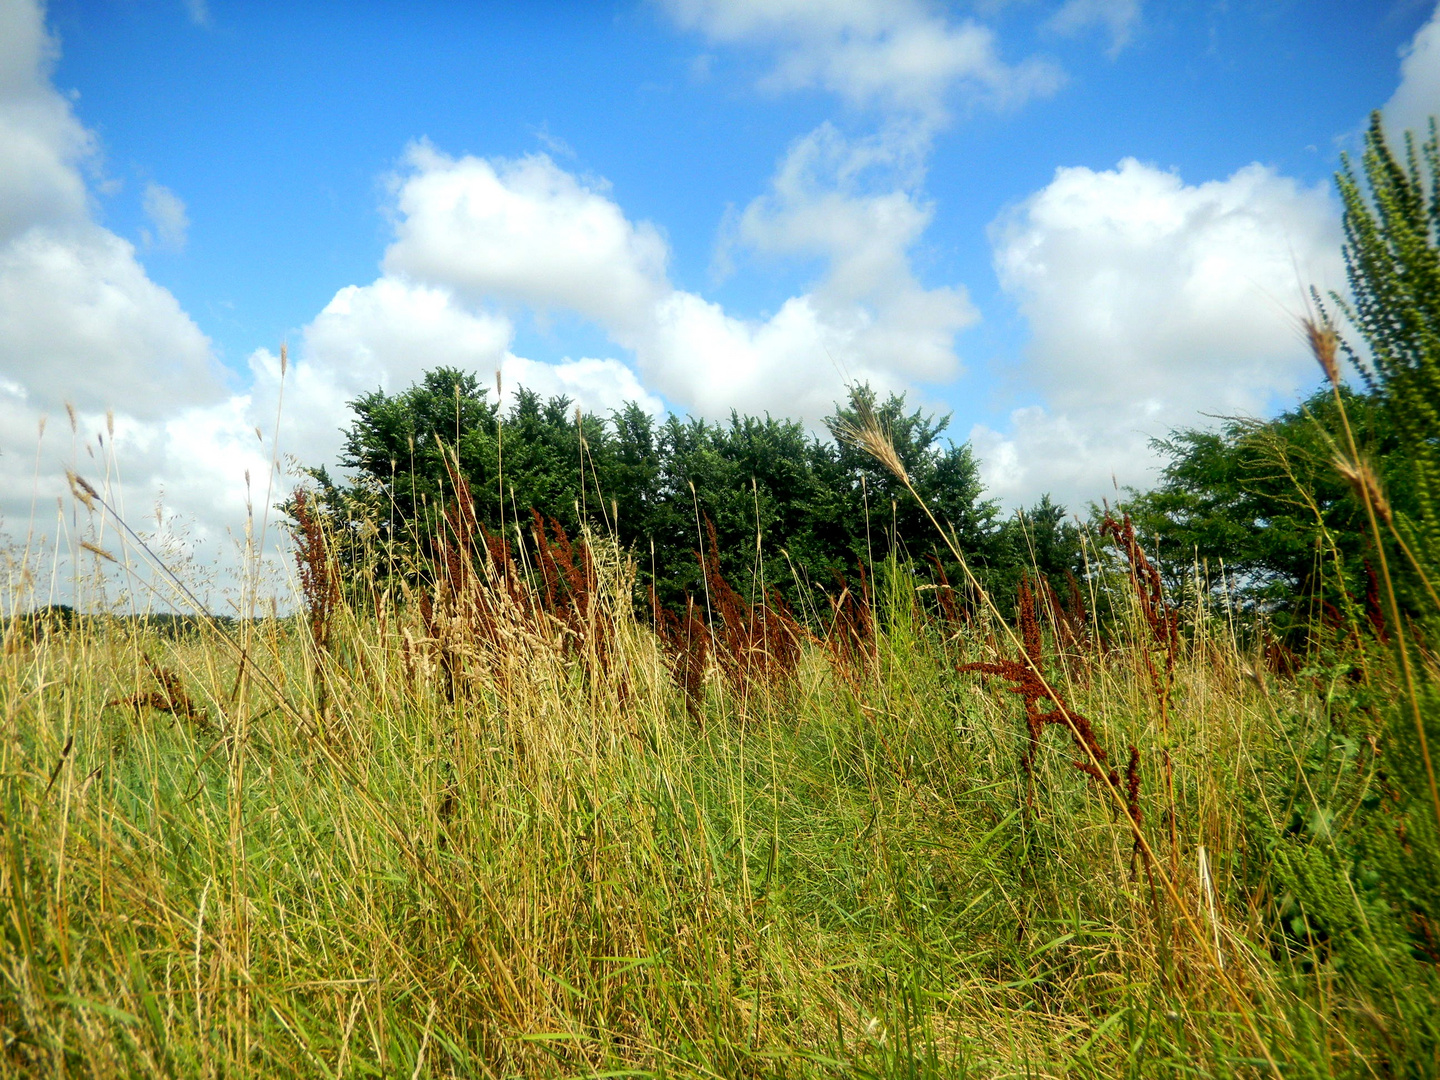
{"x": 1392, "y": 254}
{"x": 1261, "y": 503}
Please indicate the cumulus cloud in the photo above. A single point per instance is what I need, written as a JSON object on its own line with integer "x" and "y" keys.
{"x": 529, "y": 234}
{"x": 1151, "y": 303}
{"x": 80, "y": 321}
{"x": 1417, "y": 98}
{"x": 387, "y": 334}
{"x": 524, "y": 230}
{"x": 901, "y": 55}
{"x": 820, "y": 204}
{"x": 41, "y": 142}
{"x": 1118, "y": 17}
{"x": 166, "y": 212}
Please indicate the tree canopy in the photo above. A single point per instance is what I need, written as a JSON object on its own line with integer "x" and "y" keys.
{"x": 803, "y": 510}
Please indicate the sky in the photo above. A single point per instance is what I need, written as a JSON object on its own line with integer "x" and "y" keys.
{"x": 1072, "y": 225}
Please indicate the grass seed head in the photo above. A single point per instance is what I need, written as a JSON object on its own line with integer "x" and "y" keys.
{"x": 1361, "y": 476}
{"x": 97, "y": 550}
{"x": 1320, "y": 335}
{"x": 867, "y": 434}
{"x": 81, "y": 489}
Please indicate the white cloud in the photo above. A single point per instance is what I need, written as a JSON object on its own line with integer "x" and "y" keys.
{"x": 79, "y": 318}
{"x": 1151, "y": 303}
{"x": 81, "y": 321}
{"x": 41, "y": 142}
{"x": 900, "y": 55}
{"x": 166, "y": 212}
{"x": 1417, "y": 98}
{"x": 386, "y": 335}
{"x": 1118, "y": 17}
{"x": 524, "y": 230}
{"x": 823, "y": 202}
{"x": 597, "y": 385}
{"x": 389, "y": 333}
{"x": 529, "y": 234}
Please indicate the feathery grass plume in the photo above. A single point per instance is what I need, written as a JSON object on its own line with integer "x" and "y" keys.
{"x": 867, "y": 434}
{"x": 1360, "y": 475}
{"x": 82, "y": 491}
{"x": 1324, "y": 342}
{"x": 96, "y": 549}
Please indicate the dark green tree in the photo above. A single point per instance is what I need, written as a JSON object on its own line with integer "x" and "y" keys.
{"x": 1258, "y": 507}
{"x": 788, "y": 509}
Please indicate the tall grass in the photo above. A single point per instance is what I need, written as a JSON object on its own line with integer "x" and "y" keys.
{"x": 488, "y": 816}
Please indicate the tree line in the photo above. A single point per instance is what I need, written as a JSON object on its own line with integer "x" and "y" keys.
{"x": 789, "y": 508}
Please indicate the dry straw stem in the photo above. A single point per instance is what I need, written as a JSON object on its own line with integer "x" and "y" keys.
{"x": 1323, "y": 338}
{"x": 869, "y": 436}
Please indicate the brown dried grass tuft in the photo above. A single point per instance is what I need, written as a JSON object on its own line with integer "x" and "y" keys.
{"x": 319, "y": 578}
{"x": 755, "y": 643}
{"x": 171, "y": 697}
{"x": 850, "y": 641}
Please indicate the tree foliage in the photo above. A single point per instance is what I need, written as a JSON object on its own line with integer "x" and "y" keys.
{"x": 798, "y": 510}
{"x": 1259, "y": 509}
{"x": 1392, "y": 255}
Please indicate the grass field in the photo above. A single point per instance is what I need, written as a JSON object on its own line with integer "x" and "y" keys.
{"x": 503, "y": 825}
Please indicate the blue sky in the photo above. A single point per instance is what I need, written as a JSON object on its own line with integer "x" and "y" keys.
{"x": 1072, "y": 223}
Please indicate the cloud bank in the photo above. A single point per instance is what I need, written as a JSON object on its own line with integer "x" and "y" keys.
{"x": 528, "y": 234}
